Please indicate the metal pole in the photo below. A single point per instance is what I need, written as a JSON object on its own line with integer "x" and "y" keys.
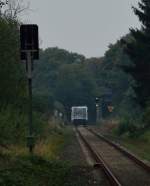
{"x": 97, "y": 113}
{"x": 30, "y": 115}
{"x": 100, "y": 109}
{"x": 29, "y": 71}
{"x": 96, "y": 105}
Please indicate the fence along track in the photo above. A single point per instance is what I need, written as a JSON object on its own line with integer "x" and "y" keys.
{"x": 127, "y": 171}
{"x": 100, "y": 162}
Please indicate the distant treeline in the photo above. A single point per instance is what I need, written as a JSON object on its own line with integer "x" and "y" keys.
{"x": 69, "y": 79}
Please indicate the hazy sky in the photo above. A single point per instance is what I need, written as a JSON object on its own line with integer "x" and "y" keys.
{"x": 83, "y": 26}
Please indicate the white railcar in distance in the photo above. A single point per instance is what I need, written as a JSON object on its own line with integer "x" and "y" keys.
{"x": 79, "y": 114}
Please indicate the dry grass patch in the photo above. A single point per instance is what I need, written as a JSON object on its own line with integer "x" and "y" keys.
{"x": 50, "y": 147}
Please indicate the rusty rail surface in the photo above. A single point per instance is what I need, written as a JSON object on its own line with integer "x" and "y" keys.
{"x": 100, "y": 162}
{"x": 123, "y": 150}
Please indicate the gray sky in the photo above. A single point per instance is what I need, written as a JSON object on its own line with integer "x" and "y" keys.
{"x": 83, "y": 26}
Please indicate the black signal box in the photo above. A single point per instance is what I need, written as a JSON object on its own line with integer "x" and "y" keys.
{"x": 29, "y": 41}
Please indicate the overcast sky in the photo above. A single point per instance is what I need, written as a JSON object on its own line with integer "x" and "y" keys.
{"x": 83, "y": 26}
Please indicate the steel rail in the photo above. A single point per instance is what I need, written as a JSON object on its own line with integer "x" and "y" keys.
{"x": 123, "y": 150}
{"x": 100, "y": 162}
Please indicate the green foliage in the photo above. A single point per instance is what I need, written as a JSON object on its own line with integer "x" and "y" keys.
{"x": 13, "y": 99}
{"x": 66, "y": 77}
{"x": 12, "y": 79}
{"x": 110, "y": 77}
{"x": 131, "y": 127}
{"x": 113, "y": 76}
{"x": 33, "y": 171}
{"x": 46, "y": 70}
{"x": 70, "y": 79}
{"x": 36, "y": 171}
{"x": 39, "y": 124}
{"x": 75, "y": 86}
{"x": 146, "y": 117}
{"x": 13, "y": 89}
{"x": 43, "y": 103}
{"x": 138, "y": 50}
{"x": 46, "y": 168}
{"x": 140, "y": 145}
{"x": 13, "y": 125}
{"x": 123, "y": 126}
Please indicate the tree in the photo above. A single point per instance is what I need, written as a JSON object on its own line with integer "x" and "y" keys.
{"x": 13, "y": 94}
{"x": 137, "y": 48}
{"x": 12, "y": 79}
{"x": 3, "y": 3}
{"x": 12, "y": 8}
{"x": 46, "y": 70}
{"x": 76, "y": 86}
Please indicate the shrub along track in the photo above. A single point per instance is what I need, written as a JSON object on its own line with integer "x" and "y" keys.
{"x": 123, "y": 168}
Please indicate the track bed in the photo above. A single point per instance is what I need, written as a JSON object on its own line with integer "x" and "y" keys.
{"x": 125, "y": 170}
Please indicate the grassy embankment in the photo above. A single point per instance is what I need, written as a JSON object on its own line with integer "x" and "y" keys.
{"x": 44, "y": 168}
{"x": 139, "y": 145}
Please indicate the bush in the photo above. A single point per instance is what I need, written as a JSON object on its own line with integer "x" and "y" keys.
{"x": 12, "y": 125}
{"x": 130, "y": 126}
{"x": 43, "y": 102}
{"x": 123, "y": 126}
{"x": 146, "y": 117}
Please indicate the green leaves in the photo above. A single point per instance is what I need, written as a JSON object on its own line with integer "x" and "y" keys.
{"x": 66, "y": 77}
{"x": 12, "y": 79}
{"x": 13, "y": 94}
{"x": 138, "y": 51}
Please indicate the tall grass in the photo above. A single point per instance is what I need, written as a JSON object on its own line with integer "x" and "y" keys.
{"x": 12, "y": 125}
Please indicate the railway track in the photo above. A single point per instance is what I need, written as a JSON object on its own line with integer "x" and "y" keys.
{"x": 121, "y": 168}
{"x": 123, "y": 150}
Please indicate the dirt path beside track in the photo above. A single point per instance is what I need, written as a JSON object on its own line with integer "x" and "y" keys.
{"x": 82, "y": 166}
